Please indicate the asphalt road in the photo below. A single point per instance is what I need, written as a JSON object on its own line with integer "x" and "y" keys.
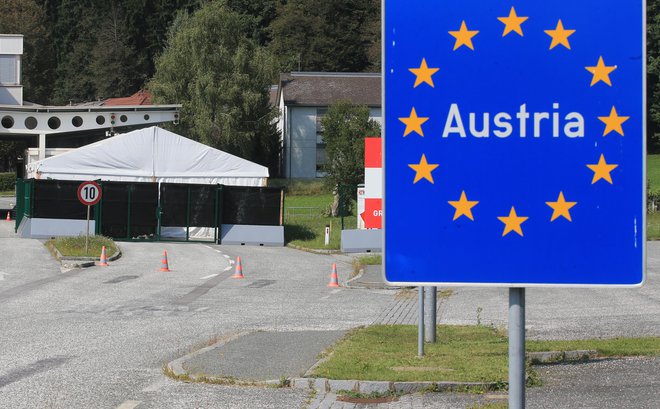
{"x": 99, "y": 337}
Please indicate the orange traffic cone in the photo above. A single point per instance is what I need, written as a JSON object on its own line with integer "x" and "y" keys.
{"x": 163, "y": 264}
{"x": 239, "y": 269}
{"x": 334, "y": 281}
{"x": 104, "y": 258}
{"x": 8, "y": 217}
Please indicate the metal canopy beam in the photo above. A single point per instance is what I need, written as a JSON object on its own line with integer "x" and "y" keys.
{"x": 24, "y": 120}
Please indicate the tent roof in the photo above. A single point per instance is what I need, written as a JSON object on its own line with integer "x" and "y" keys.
{"x": 150, "y": 152}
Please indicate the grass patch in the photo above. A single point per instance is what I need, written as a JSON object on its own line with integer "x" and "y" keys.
{"x": 360, "y": 262}
{"x": 614, "y": 347}
{"x": 653, "y": 226}
{"x": 7, "y": 193}
{"x": 389, "y": 353}
{"x": 653, "y": 171}
{"x": 305, "y": 218}
{"x": 298, "y": 187}
{"x": 462, "y": 354}
{"x": 75, "y": 246}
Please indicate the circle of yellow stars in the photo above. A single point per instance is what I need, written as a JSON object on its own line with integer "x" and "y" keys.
{"x": 560, "y": 37}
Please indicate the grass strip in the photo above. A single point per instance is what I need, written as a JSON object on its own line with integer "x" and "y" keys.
{"x": 462, "y": 354}
{"x": 75, "y": 246}
{"x": 305, "y": 218}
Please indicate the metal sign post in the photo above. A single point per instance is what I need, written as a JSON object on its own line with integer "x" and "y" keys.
{"x": 89, "y": 193}
{"x": 514, "y": 147}
{"x": 516, "y": 348}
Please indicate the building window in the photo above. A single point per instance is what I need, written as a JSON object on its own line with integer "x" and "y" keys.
{"x": 320, "y": 144}
{"x": 8, "y": 70}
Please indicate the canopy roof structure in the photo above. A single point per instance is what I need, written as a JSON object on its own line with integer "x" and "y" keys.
{"x": 151, "y": 155}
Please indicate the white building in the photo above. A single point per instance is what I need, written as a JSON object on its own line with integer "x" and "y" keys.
{"x": 303, "y": 99}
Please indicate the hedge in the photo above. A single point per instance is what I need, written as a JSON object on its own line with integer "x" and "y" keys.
{"x": 7, "y": 181}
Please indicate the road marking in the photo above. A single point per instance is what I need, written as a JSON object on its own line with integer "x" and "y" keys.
{"x": 2, "y": 275}
{"x": 218, "y": 251}
{"x": 227, "y": 268}
{"x": 201, "y": 309}
{"x": 225, "y": 256}
{"x": 129, "y": 404}
{"x": 331, "y": 292}
{"x": 208, "y": 276}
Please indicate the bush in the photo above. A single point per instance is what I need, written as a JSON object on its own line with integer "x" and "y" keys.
{"x": 7, "y": 181}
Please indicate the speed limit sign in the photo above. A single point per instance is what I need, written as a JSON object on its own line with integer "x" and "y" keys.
{"x": 89, "y": 193}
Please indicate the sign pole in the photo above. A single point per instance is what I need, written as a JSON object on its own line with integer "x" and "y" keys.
{"x": 87, "y": 236}
{"x": 430, "y": 327}
{"x": 420, "y": 319}
{"x": 516, "y": 348}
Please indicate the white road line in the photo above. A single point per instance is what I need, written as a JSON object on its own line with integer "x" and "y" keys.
{"x": 331, "y": 292}
{"x": 129, "y": 404}
{"x": 225, "y": 256}
{"x": 209, "y": 247}
{"x": 208, "y": 276}
{"x": 218, "y": 251}
{"x": 200, "y": 309}
{"x": 227, "y": 268}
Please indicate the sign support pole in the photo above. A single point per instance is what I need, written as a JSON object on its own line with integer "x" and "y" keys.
{"x": 87, "y": 236}
{"x": 430, "y": 324}
{"x": 516, "y": 348}
{"x": 420, "y": 319}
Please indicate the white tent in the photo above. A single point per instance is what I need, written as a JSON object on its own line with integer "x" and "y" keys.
{"x": 150, "y": 155}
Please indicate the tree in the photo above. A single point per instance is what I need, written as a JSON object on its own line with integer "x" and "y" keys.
{"x": 653, "y": 76}
{"x": 345, "y": 126}
{"x": 222, "y": 78}
{"x": 325, "y": 35}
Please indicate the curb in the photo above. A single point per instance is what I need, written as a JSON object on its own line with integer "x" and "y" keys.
{"x": 325, "y": 385}
{"x": 555, "y": 357}
{"x": 369, "y": 285}
{"x": 314, "y": 251}
{"x": 82, "y": 262}
{"x": 178, "y": 369}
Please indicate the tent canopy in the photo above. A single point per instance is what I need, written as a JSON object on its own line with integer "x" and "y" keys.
{"x": 151, "y": 155}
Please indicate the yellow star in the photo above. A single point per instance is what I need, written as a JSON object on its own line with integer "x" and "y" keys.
{"x": 423, "y": 74}
{"x": 463, "y": 207}
{"x": 613, "y": 122}
{"x": 560, "y": 36}
{"x": 602, "y": 170}
{"x": 601, "y": 72}
{"x": 413, "y": 123}
{"x": 512, "y": 23}
{"x": 463, "y": 37}
{"x": 512, "y": 222}
{"x": 561, "y": 208}
{"x": 423, "y": 170}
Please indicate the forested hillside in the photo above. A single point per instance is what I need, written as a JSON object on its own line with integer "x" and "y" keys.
{"x": 82, "y": 50}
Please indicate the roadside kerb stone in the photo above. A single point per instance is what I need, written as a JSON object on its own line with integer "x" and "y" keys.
{"x": 341, "y": 385}
{"x": 81, "y": 262}
{"x": 551, "y": 357}
{"x": 375, "y": 386}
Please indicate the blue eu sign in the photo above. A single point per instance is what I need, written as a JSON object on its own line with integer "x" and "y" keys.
{"x": 514, "y": 142}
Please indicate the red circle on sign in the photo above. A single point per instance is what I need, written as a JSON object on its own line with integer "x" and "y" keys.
{"x": 89, "y": 193}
